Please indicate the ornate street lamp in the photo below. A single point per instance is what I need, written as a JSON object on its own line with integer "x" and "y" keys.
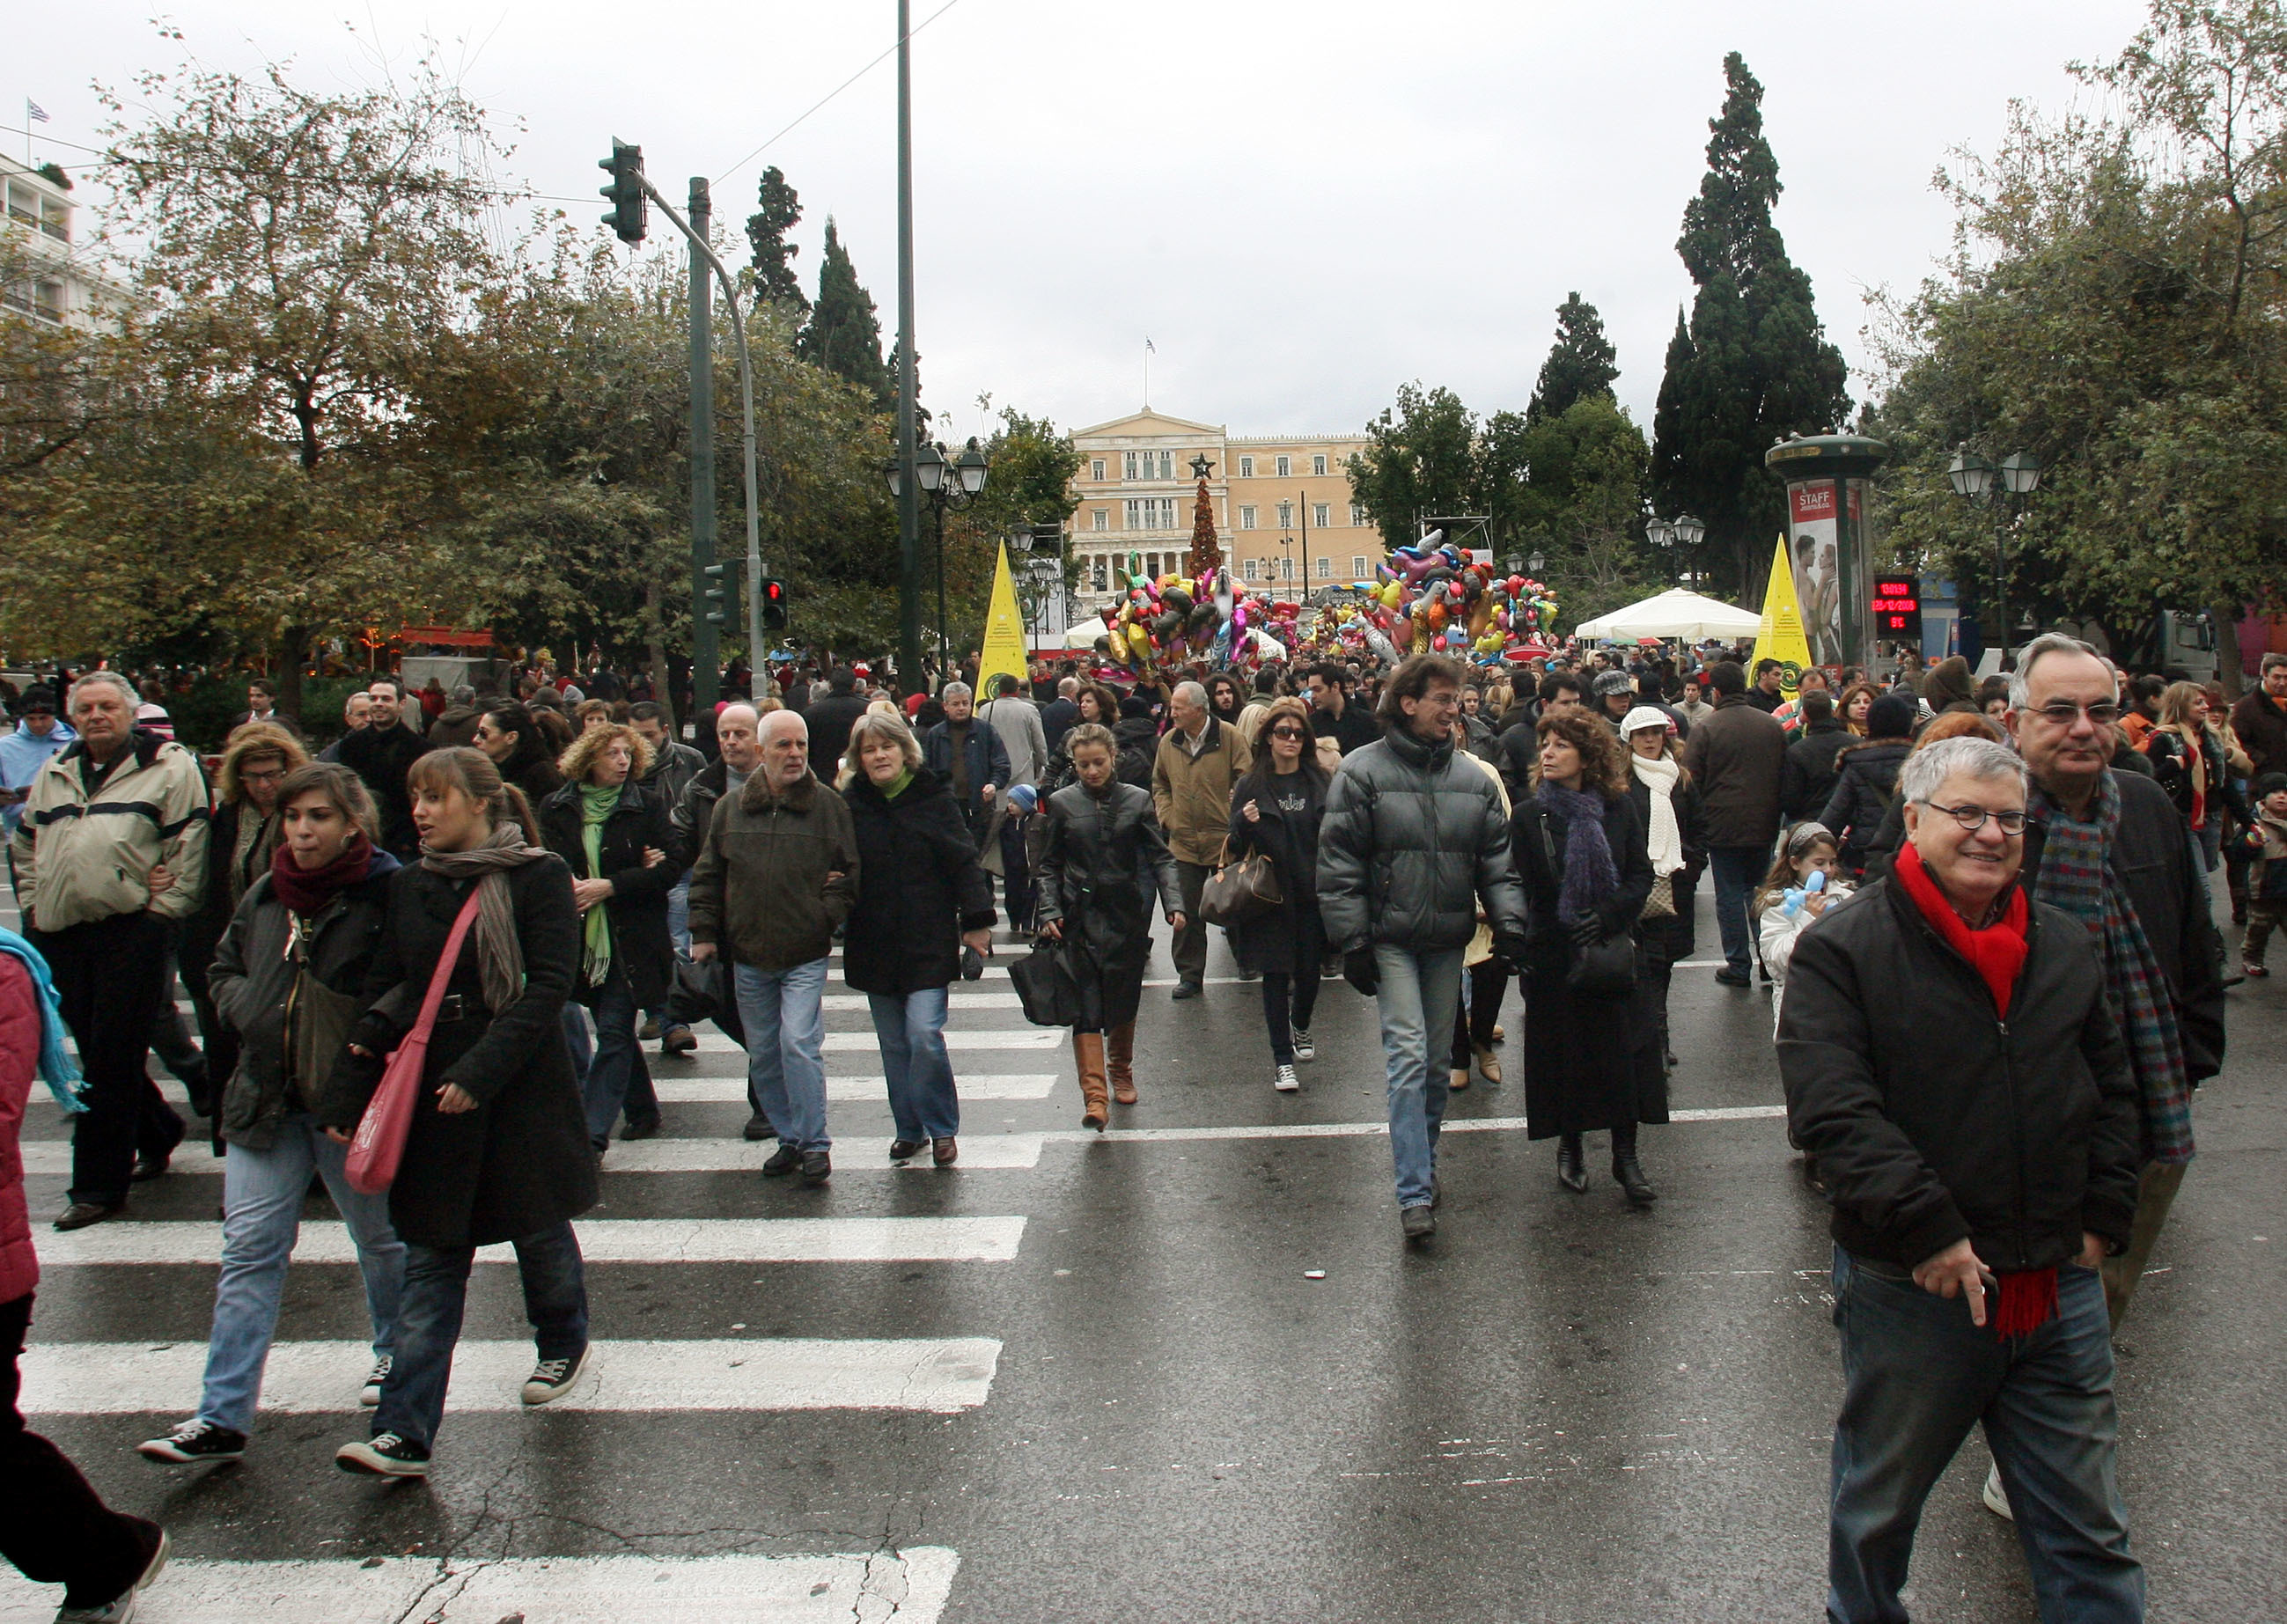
{"x": 930, "y": 468}
{"x": 1537, "y": 562}
{"x": 2004, "y": 489}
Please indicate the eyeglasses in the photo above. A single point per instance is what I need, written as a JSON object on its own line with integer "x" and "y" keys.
{"x": 2062, "y": 713}
{"x": 1972, "y": 817}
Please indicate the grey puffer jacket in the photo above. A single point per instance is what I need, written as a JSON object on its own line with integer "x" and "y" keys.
{"x": 1412, "y": 838}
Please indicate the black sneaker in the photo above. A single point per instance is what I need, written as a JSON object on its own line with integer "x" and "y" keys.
{"x": 193, "y": 1442}
{"x": 642, "y": 1128}
{"x": 1727, "y": 976}
{"x": 384, "y": 1454}
{"x": 1417, "y": 1223}
{"x": 552, "y": 1379}
{"x": 1185, "y": 989}
{"x": 817, "y": 1167}
{"x": 757, "y": 1130}
{"x": 783, "y": 1160}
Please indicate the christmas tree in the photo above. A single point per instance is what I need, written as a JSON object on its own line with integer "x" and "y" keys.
{"x": 1206, "y": 552}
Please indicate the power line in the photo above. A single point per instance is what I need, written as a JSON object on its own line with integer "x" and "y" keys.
{"x": 831, "y": 94}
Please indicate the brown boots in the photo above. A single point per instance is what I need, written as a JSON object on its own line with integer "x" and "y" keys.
{"x": 1088, "y": 1054}
{"x": 1118, "y": 1053}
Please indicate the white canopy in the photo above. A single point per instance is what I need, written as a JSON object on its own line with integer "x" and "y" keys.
{"x": 1674, "y": 614}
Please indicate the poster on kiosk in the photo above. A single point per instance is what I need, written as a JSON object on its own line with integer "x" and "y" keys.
{"x": 1829, "y": 547}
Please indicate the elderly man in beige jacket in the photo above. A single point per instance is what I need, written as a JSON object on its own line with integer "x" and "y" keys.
{"x": 1199, "y": 760}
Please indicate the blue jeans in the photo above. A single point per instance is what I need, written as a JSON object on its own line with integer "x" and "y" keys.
{"x": 576, "y": 1037}
{"x": 678, "y": 914}
{"x": 262, "y": 1193}
{"x": 428, "y": 1322}
{"x": 617, "y": 1075}
{"x": 1916, "y": 1375}
{"x": 911, "y": 1031}
{"x": 786, "y": 1049}
{"x": 1417, "y": 995}
{"x": 1738, "y": 870}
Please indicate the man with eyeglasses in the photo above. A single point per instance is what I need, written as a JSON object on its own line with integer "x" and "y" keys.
{"x": 1951, "y": 1059}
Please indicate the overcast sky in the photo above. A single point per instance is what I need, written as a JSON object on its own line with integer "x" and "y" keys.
{"x": 1303, "y": 205}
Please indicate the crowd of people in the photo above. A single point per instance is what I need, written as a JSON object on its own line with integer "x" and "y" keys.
{"x": 547, "y": 882}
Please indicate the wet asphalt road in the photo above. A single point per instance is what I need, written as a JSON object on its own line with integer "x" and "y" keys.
{"x": 1560, "y": 1410}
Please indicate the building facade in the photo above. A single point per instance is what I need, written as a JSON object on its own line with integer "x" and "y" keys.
{"x": 45, "y": 276}
{"x": 1282, "y": 506}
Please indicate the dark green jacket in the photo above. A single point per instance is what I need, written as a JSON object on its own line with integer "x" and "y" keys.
{"x": 775, "y": 874}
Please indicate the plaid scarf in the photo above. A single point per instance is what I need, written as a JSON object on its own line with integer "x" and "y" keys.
{"x": 2075, "y": 876}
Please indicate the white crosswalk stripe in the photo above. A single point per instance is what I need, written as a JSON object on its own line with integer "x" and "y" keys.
{"x": 602, "y": 1241}
{"x": 910, "y": 1585}
{"x": 979, "y": 1152}
{"x": 724, "y": 1089}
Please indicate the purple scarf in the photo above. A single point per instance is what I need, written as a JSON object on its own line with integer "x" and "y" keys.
{"x": 1589, "y": 876}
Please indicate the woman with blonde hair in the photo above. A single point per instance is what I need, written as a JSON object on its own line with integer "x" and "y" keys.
{"x": 921, "y": 900}
{"x": 614, "y": 835}
{"x": 2192, "y": 763}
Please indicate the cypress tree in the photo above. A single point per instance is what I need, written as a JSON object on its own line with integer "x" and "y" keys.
{"x": 844, "y": 336}
{"x": 1581, "y": 363}
{"x": 766, "y": 228}
{"x": 1753, "y": 364}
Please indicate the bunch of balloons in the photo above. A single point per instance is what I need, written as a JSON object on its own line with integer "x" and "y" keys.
{"x": 1433, "y": 598}
{"x": 1175, "y": 619}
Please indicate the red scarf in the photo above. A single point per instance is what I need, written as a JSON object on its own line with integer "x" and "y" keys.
{"x": 2027, "y": 1301}
{"x": 306, "y": 891}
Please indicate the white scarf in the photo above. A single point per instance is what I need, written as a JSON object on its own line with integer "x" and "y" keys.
{"x": 1665, "y": 839}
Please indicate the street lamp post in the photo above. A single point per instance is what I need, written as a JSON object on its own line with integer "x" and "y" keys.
{"x": 930, "y": 466}
{"x": 2004, "y": 490}
{"x": 1681, "y": 531}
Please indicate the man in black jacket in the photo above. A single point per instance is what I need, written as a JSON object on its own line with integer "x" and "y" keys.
{"x": 1332, "y": 713}
{"x": 381, "y": 754}
{"x": 1806, "y": 776}
{"x": 1951, "y": 1059}
{"x": 829, "y": 718}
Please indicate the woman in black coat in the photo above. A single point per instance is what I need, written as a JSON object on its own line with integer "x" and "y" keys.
{"x": 627, "y": 960}
{"x": 1581, "y": 854}
{"x": 1869, "y": 769}
{"x": 498, "y": 1149}
{"x": 1276, "y": 809}
{"x": 921, "y": 897}
{"x": 1102, "y": 860}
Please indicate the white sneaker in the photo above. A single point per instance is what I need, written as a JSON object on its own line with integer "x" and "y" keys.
{"x": 1287, "y": 1083}
{"x": 1304, "y": 1050}
{"x": 370, "y": 1395}
{"x": 1996, "y": 1498}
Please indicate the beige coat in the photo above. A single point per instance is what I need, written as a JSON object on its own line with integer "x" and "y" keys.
{"x": 1192, "y": 794}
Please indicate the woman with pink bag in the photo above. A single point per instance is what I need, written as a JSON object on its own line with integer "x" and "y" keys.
{"x": 497, "y": 1148}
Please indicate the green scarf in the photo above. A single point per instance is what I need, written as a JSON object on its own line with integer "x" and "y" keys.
{"x": 596, "y": 804}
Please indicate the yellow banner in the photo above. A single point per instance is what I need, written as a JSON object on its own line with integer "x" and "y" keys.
{"x": 1780, "y": 637}
{"x": 1004, "y": 631}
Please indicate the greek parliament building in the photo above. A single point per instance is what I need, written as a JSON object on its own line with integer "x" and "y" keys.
{"x": 1282, "y": 506}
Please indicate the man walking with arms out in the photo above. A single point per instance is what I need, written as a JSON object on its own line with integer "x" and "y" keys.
{"x": 1414, "y": 842}
{"x": 777, "y": 870}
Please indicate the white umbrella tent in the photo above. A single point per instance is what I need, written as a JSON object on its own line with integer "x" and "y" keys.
{"x": 1674, "y": 614}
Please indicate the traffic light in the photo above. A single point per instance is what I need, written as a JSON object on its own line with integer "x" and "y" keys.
{"x": 630, "y": 210}
{"x": 774, "y": 605}
{"x": 722, "y": 582}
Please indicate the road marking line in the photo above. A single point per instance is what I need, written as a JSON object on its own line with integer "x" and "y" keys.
{"x": 912, "y": 1585}
{"x": 938, "y": 1374}
{"x": 730, "y": 1086}
{"x": 865, "y": 1043}
{"x": 979, "y": 1152}
{"x": 842, "y": 1002}
{"x": 1365, "y": 1130}
{"x": 602, "y": 1241}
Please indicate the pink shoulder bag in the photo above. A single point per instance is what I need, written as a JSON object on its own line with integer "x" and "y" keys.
{"x": 381, "y": 1132}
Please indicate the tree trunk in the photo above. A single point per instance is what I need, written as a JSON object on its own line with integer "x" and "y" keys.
{"x": 2229, "y": 671}
{"x": 286, "y": 669}
{"x": 655, "y": 658}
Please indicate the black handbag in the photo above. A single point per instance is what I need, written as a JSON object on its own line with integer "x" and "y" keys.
{"x": 1606, "y": 968}
{"x": 1044, "y": 986}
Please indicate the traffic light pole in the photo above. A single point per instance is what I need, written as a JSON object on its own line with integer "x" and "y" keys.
{"x": 706, "y": 655}
{"x": 909, "y": 492}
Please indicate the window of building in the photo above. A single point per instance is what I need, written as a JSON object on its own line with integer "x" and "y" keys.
{"x": 1251, "y": 571}
{"x": 1103, "y": 574}
{"x": 1319, "y": 464}
{"x": 1357, "y": 517}
{"x": 1286, "y": 568}
{"x": 1246, "y": 518}
{"x": 1128, "y": 465}
{"x": 1167, "y": 464}
{"x": 1358, "y": 567}
{"x": 1096, "y": 470}
{"x": 1285, "y": 467}
{"x": 1322, "y": 514}
{"x": 1285, "y": 512}
{"x": 1099, "y": 519}
{"x": 1326, "y": 568}
{"x": 1246, "y": 468}
{"x": 30, "y": 206}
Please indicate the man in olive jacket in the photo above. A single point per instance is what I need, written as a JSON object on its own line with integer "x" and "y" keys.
{"x": 774, "y": 879}
{"x": 1200, "y": 759}
{"x": 1737, "y": 756}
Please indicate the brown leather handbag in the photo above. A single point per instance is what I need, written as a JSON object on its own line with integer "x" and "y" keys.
{"x": 1237, "y": 892}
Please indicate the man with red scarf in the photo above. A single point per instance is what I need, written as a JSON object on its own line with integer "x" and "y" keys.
{"x": 1951, "y": 1059}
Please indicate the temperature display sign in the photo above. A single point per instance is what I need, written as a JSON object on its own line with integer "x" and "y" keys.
{"x": 1897, "y": 608}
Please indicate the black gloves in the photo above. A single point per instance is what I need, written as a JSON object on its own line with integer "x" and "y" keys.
{"x": 1587, "y": 931}
{"x": 1360, "y": 969}
{"x": 1510, "y": 947}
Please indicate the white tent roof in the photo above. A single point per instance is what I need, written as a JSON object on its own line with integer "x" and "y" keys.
{"x": 1674, "y": 614}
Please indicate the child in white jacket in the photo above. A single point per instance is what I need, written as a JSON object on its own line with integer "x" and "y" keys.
{"x": 1804, "y": 882}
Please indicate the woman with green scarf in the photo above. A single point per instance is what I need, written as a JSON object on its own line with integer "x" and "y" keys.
{"x": 614, "y": 835}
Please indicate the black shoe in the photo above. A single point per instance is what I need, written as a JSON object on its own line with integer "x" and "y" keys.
{"x": 1185, "y": 989}
{"x": 642, "y": 1127}
{"x": 1418, "y": 1222}
{"x": 817, "y": 1167}
{"x": 193, "y": 1442}
{"x": 758, "y": 1128}
{"x": 1727, "y": 976}
{"x": 384, "y": 1454}
{"x": 906, "y": 1150}
{"x": 784, "y": 1159}
{"x": 1570, "y": 1173}
{"x": 1630, "y": 1172}
{"x": 79, "y": 1214}
{"x": 1249, "y": 975}
{"x": 150, "y": 1165}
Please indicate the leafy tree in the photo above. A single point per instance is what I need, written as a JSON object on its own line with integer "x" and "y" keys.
{"x": 1422, "y": 461}
{"x": 843, "y": 334}
{"x": 1581, "y": 363}
{"x": 766, "y": 228}
{"x": 2115, "y": 305}
{"x": 1753, "y": 364}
